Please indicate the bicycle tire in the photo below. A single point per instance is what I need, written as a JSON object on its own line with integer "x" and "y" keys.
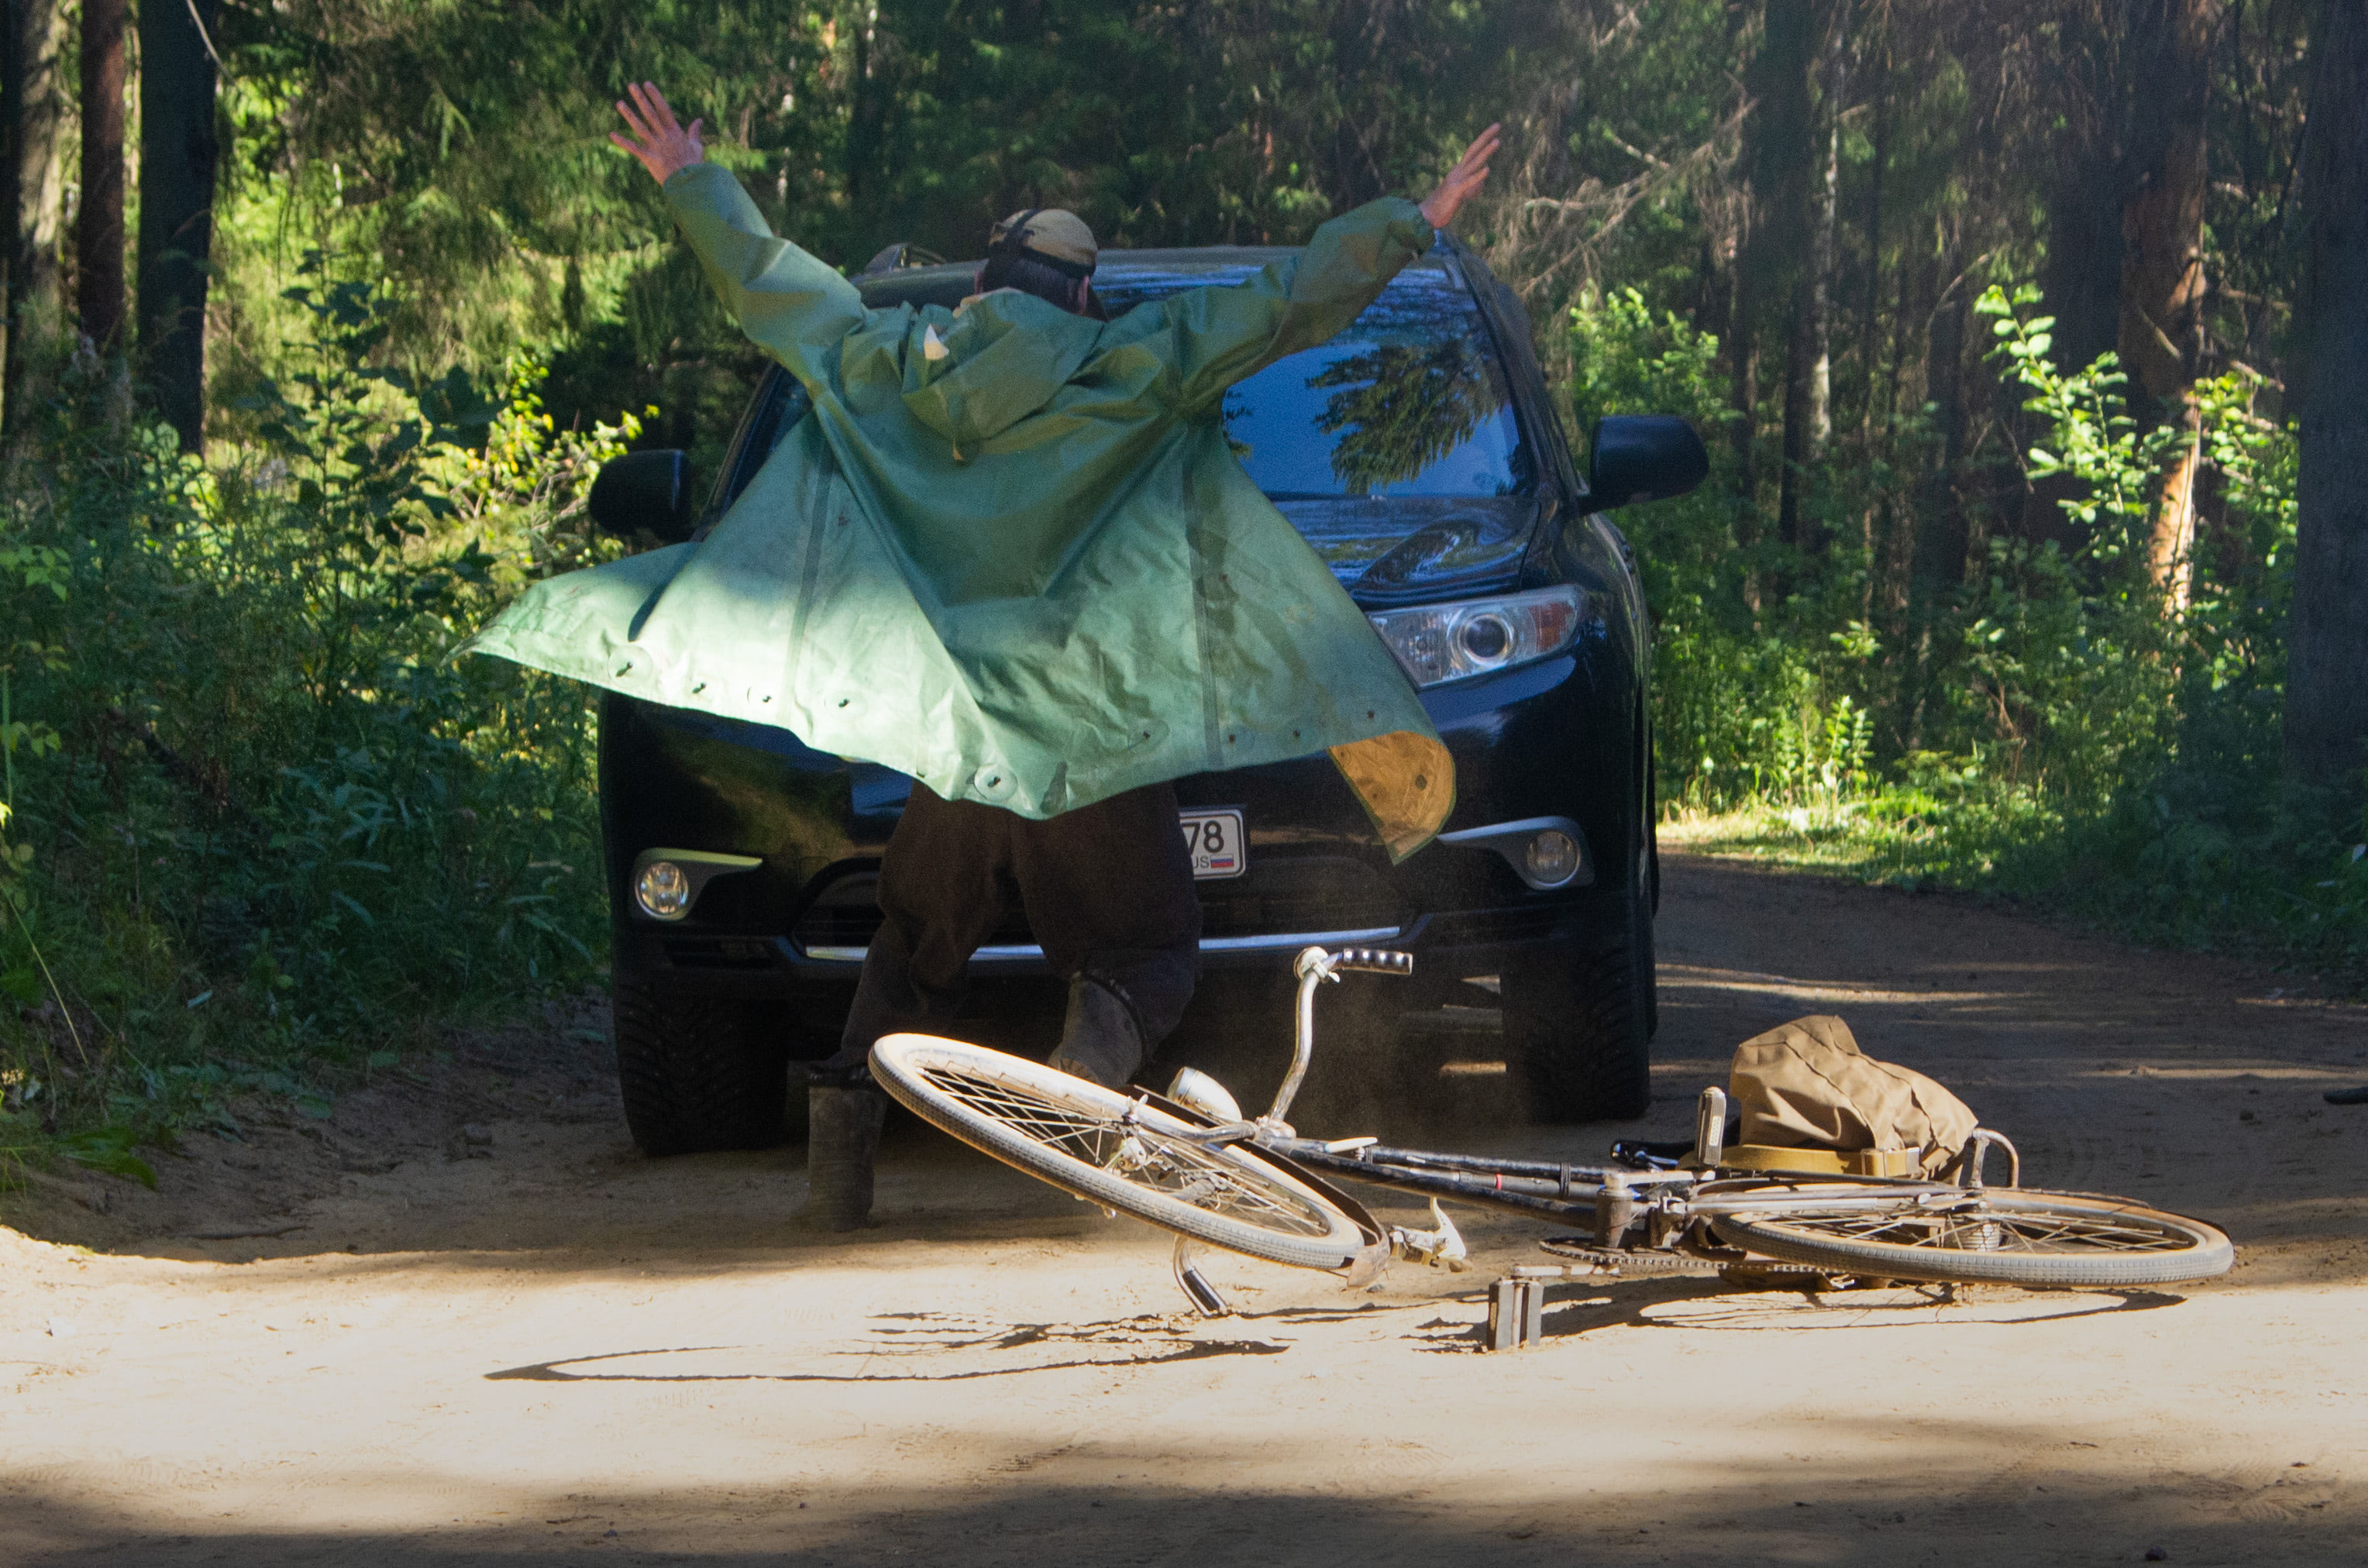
{"x": 1098, "y": 1144}
{"x": 1987, "y": 1236}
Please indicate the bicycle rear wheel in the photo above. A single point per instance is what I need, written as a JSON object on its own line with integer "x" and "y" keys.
{"x": 1121, "y": 1153}
{"x": 1986, "y": 1237}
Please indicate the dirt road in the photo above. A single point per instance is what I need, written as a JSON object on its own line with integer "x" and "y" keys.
{"x": 464, "y": 1323}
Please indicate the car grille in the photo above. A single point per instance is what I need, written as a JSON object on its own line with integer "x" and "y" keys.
{"x": 845, "y": 915}
{"x": 1311, "y": 892}
{"x": 1473, "y": 928}
{"x": 719, "y": 952}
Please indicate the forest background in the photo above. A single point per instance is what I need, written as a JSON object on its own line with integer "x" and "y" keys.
{"x": 321, "y": 313}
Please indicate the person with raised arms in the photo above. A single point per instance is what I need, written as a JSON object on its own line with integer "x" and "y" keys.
{"x": 1010, "y": 553}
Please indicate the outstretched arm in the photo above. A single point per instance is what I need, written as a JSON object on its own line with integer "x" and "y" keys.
{"x": 1470, "y": 173}
{"x": 658, "y": 139}
{"x": 791, "y": 304}
{"x": 1224, "y": 336}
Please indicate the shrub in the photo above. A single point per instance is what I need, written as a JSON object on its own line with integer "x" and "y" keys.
{"x": 2065, "y": 731}
{"x": 261, "y": 827}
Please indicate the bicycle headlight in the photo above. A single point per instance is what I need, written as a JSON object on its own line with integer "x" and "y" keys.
{"x": 1470, "y": 637}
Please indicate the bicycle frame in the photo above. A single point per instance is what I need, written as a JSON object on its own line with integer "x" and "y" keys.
{"x": 1665, "y": 1209}
{"x": 1750, "y": 1212}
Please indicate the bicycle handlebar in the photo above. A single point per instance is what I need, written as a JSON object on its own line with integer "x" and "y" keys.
{"x": 1313, "y": 966}
{"x": 1373, "y": 961}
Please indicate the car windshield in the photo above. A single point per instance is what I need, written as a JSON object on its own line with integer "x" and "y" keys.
{"x": 1362, "y": 439}
{"x": 1410, "y": 400}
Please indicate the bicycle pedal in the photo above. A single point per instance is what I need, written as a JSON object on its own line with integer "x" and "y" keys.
{"x": 1516, "y": 1313}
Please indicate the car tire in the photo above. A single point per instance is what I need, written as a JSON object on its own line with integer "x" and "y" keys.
{"x": 1577, "y": 1023}
{"x": 1650, "y": 961}
{"x": 695, "y": 1073}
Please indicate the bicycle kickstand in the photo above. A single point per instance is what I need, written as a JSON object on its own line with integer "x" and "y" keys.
{"x": 1207, "y": 1299}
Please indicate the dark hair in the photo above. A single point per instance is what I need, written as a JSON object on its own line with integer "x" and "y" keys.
{"x": 1030, "y": 276}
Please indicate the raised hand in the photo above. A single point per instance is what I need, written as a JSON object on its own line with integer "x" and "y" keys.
{"x": 658, "y": 139}
{"x": 1468, "y": 175}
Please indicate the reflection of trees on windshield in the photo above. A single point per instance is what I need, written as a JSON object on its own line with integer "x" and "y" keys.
{"x": 1399, "y": 408}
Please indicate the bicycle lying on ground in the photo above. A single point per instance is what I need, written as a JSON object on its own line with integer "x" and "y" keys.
{"x": 1191, "y": 1162}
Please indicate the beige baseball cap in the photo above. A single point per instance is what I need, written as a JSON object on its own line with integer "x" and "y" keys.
{"x": 1049, "y": 233}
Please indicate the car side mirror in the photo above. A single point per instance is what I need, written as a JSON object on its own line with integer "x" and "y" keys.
{"x": 644, "y": 491}
{"x": 1644, "y": 457}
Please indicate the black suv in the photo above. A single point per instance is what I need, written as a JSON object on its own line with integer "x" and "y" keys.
{"x": 1420, "y": 453}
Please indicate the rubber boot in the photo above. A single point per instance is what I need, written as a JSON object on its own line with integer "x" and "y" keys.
{"x": 844, "y": 1112}
{"x": 1101, "y": 1040}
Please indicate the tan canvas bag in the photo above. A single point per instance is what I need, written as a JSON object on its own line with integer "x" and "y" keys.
{"x": 1807, "y": 1085}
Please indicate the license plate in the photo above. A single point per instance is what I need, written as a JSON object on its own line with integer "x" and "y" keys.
{"x": 1215, "y": 841}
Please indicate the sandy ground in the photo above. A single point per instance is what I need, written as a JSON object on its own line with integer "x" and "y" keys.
{"x": 464, "y": 1323}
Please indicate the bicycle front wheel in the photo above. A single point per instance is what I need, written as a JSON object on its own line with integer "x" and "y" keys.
{"x": 1099, "y": 1145}
{"x": 1986, "y": 1237}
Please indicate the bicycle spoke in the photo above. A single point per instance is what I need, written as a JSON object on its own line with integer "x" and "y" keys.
{"x": 1986, "y": 1229}
{"x": 1177, "y": 1167}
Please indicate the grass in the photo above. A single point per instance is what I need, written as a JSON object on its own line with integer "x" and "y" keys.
{"x": 2143, "y": 870}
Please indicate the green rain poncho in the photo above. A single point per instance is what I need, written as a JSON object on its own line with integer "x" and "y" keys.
{"x": 1009, "y": 552}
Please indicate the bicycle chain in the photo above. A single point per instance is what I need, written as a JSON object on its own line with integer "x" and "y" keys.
{"x": 1616, "y": 1260}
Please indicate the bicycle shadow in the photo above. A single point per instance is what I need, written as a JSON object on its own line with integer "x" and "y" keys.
{"x": 1713, "y": 1305}
{"x": 912, "y": 1337}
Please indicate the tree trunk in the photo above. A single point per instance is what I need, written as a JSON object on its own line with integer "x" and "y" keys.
{"x": 1824, "y": 202}
{"x": 1743, "y": 396}
{"x": 177, "y": 202}
{"x": 1937, "y": 541}
{"x": 1941, "y": 537}
{"x": 2161, "y": 328}
{"x": 2327, "y": 696}
{"x": 866, "y": 114}
{"x": 33, "y": 204}
{"x": 1877, "y": 407}
{"x": 2088, "y": 98}
{"x": 1783, "y": 141}
{"x": 1795, "y": 443}
{"x": 1890, "y": 549}
{"x": 1359, "y": 139}
{"x": 98, "y": 230}
{"x": 1743, "y": 376}
{"x": 2082, "y": 277}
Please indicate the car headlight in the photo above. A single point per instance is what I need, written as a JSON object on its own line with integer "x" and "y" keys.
{"x": 1470, "y": 637}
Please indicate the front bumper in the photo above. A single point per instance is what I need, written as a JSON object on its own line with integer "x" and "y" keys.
{"x": 1547, "y": 742}
{"x": 1449, "y": 947}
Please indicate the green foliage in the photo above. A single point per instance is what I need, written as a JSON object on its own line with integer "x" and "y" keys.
{"x": 1749, "y": 707}
{"x": 109, "y": 1149}
{"x": 262, "y": 827}
{"x": 2086, "y": 410}
{"x": 2093, "y": 745}
{"x": 463, "y": 149}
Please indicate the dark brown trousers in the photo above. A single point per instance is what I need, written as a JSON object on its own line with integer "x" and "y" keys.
{"x": 1106, "y": 890}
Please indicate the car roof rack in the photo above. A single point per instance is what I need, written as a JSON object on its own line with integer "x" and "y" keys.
{"x": 904, "y": 253}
